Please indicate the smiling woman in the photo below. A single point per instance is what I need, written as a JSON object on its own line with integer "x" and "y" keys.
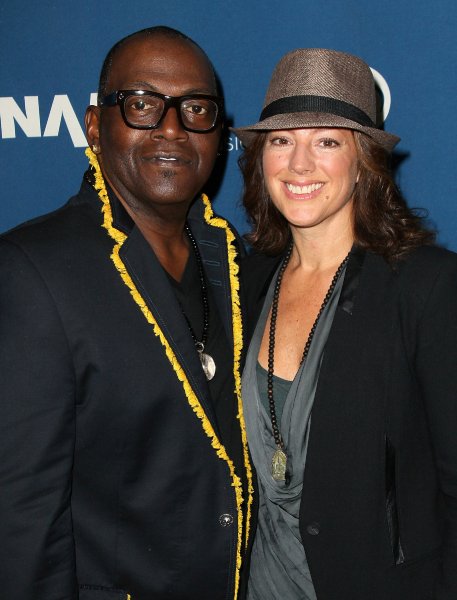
{"x": 351, "y": 363}
{"x": 310, "y": 175}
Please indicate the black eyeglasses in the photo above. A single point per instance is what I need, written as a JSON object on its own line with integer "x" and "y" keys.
{"x": 142, "y": 109}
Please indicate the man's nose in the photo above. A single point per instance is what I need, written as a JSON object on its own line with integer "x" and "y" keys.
{"x": 170, "y": 126}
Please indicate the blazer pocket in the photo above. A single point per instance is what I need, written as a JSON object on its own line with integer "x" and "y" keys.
{"x": 97, "y": 592}
{"x": 391, "y": 504}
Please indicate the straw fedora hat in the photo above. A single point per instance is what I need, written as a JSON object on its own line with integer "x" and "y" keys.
{"x": 312, "y": 87}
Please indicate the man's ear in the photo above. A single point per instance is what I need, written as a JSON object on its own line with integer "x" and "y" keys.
{"x": 92, "y": 124}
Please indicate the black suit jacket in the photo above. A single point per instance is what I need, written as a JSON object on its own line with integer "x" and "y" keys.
{"x": 378, "y": 516}
{"x": 115, "y": 481}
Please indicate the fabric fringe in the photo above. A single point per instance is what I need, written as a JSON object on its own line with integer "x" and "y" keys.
{"x": 238, "y": 347}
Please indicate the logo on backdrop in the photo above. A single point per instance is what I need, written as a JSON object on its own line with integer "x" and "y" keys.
{"x": 385, "y": 91}
{"x": 30, "y": 119}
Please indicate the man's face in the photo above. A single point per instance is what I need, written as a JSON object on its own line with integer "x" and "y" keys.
{"x": 149, "y": 169}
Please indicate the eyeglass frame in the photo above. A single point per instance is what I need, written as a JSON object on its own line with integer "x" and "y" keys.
{"x": 119, "y": 97}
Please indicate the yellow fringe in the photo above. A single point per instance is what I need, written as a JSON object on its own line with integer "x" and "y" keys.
{"x": 119, "y": 238}
{"x": 238, "y": 347}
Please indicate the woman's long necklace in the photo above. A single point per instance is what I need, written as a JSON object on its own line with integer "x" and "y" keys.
{"x": 207, "y": 361}
{"x": 279, "y": 470}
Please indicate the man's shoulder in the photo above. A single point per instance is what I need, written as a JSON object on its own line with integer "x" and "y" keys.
{"x": 71, "y": 220}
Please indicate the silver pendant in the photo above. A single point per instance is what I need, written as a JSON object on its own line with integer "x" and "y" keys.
{"x": 208, "y": 365}
{"x": 278, "y": 465}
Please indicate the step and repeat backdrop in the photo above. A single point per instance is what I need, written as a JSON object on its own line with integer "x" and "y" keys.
{"x": 52, "y": 52}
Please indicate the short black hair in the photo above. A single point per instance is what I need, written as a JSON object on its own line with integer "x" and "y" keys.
{"x": 158, "y": 30}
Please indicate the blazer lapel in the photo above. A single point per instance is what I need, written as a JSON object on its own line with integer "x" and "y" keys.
{"x": 351, "y": 280}
{"x": 341, "y": 338}
{"x": 212, "y": 244}
{"x": 154, "y": 287}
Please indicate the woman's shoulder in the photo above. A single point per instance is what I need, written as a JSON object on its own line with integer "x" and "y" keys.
{"x": 426, "y": 271}
{"x": 433, "y": 253}
{"x": 257, "y": 269}
{"x": 427, "y": 261}
{"x": 254, "y": 260}
{"x": 420, "y": 261}
{"x": 256, "y": 273}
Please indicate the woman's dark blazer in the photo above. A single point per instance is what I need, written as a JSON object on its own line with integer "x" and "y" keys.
{"x": 112, "y": 485}
{"x": 378, "y": 515}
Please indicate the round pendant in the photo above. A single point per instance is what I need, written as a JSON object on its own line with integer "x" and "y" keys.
{"x": 208, "y": 365}
{"x": 278, "y": 465}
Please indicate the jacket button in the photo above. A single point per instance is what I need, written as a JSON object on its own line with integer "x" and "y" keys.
{"x": 313, "y": 529}
{"x": 225, "y": 520}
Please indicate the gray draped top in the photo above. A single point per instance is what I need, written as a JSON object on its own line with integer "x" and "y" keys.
{"x": 279, "y": 568}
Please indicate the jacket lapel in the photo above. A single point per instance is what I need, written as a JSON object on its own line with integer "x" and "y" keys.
{"x": 152, "y": 283}
{"x": 341, "y": 340}
{"x": 212, "y": 244}
{"x": 351, "y": 282}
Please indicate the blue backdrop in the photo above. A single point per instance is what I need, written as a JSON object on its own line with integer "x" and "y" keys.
{"x": 52, "y": 52}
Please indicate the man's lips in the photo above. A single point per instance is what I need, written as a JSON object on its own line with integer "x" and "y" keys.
{"x": 169, "y": 159}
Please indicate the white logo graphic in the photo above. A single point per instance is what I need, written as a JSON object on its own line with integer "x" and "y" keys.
{"x": 30, "y": 120}
{"x": 384, "y": 87}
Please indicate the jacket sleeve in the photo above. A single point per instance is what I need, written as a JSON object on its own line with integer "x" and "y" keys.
{"x": 37, "y": 436}
{"x": 436, "y": 364}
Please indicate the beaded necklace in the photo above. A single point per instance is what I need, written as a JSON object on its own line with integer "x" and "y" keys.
{"x": 279, "y": 470}
{"x": 207, "y": 361}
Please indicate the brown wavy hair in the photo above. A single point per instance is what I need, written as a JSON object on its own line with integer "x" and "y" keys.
{"x": 383, "y": 223}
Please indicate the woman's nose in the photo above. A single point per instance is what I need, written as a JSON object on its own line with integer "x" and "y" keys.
{"x": 301, "y": 159}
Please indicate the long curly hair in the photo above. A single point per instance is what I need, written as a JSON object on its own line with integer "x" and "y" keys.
{"x": 382, "y": 221}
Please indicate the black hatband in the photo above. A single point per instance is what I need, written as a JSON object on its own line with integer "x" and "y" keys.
{"x": 319, "y": 104}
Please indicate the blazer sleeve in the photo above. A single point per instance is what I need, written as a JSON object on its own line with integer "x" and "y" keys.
{"x": 436, "y": 364}
{"x": 37, "y": 437}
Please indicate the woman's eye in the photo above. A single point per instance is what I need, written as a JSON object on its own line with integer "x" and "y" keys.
{"x": 328, "y": 143}
{"x": 279, "y": 141}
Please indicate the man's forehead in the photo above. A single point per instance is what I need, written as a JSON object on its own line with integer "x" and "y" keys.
{"x": 161, "y": 54}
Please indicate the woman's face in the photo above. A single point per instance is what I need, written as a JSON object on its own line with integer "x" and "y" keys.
{"x": 310, "y": 175}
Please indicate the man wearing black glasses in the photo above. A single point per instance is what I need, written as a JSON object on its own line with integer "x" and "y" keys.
{"x": 124, "y": 470}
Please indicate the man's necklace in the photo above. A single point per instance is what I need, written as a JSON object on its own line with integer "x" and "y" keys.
{"x": 207, "y": 361}
{"x": 279, "y": 469}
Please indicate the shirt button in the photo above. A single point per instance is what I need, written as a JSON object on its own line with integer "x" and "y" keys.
{"x": 313, "y": 529}
{"x": 225, "y": 520}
